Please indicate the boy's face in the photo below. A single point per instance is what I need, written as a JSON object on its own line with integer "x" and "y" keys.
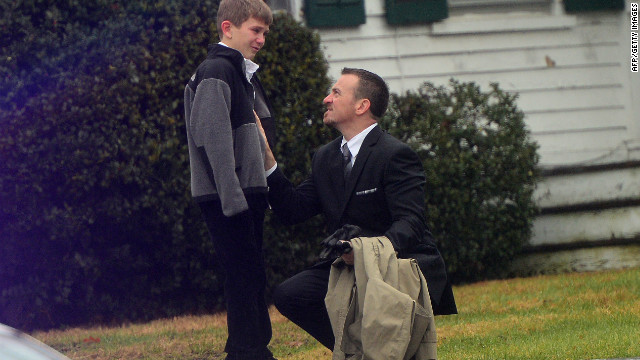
{"x": 248, "y": 38}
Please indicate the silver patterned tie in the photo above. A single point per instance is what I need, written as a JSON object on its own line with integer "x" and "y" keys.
{"x": 346, "y": 161}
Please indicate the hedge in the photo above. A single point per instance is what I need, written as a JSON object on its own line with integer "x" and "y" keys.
{"x": 96, "y": 218}
{"x": 480, "y": 166}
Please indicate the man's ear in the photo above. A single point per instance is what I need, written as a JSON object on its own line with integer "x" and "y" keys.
{"x": 362, "y": 106}
{"x": 225, "y": 26}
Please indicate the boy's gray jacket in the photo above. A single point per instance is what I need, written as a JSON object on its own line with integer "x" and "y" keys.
{"x": 380, "y": 308}
{"x": 226, "y": 150}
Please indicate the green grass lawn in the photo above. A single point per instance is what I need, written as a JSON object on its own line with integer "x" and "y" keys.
{"x": 569, "y": 316}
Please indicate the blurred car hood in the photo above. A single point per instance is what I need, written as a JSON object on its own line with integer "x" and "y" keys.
{"x": 16, "y": 345}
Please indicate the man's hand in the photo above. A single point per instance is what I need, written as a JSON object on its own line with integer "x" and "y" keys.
{"x": 269, "y": 159}
{"x": 338, "y": 244}
{"x": 347, "y": 256}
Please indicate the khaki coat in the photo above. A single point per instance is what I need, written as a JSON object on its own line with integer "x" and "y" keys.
{"x": 380, "y": 308}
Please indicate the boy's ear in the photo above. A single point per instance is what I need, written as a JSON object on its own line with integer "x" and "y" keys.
{"x": 226, "y": 29}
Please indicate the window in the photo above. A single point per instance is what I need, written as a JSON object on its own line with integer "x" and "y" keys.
{"x": 334, "y": 13}
{"x": 416, "y": 11}
{"x": 592, "y": 5}
{"x": 341, "y": 13}
{"x": 569, "y": 5}
{"x": 463, "y": 3}
{"x": 497, "y": 6}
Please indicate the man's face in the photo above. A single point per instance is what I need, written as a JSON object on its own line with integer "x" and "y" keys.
{"x": 341, "y": 101}
{"x": 248, "y": 38}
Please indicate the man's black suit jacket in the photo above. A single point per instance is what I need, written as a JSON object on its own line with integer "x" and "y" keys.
{"x": 384, "y": 195}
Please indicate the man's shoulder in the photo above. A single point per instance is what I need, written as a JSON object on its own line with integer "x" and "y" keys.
{"x": 386, "y": 137}
{"x": 390, "y": 148}
{"x": 388, "y": 142}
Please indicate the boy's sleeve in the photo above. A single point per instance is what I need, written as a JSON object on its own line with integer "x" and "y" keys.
{"x": 213, "y": 135}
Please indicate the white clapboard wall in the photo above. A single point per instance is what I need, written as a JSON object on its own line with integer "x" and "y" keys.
{"x": 581, "y": 101}
{"x": 571, "y": 71}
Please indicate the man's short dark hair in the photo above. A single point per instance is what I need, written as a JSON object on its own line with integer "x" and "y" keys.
{"x": 372, "y": 87}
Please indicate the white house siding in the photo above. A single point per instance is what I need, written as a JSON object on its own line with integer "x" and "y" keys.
{"x": 581, "y": 101}
{"x": 572, "y": 72}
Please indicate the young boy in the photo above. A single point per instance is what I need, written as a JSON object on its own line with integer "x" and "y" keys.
{"x": 226, "y": 154}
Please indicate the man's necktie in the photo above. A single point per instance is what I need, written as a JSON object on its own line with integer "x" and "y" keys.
{"x": 346, "y": 161}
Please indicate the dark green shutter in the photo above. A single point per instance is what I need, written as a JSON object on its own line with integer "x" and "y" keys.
{"x": 416, "y": 11}
{"x": 334, "y": 13}
{"x": 592, "y": 5}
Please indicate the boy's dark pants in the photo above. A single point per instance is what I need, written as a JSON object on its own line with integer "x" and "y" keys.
{"x": 237, "y": 241}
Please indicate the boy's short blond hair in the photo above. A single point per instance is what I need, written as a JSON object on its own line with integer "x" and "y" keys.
{"x": 239, "y": 11}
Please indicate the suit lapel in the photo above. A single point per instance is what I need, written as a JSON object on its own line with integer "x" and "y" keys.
{"x": 361, "y": 160}
{"x": 336, "y": 172}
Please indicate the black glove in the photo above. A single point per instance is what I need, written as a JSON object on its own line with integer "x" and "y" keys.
{"x": 332, "y": 247}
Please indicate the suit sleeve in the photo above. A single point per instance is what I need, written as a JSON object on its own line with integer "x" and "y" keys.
{"x": 404, "y": 190}
{"x": 292, "y": 204}
{"x": 213, "y": 135}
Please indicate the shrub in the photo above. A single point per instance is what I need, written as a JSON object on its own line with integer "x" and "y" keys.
{"x": 480, "y": 169}
{"x": 96, "y": 219}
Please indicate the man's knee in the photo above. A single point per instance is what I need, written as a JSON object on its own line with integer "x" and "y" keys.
{"x": 281, "y": 299}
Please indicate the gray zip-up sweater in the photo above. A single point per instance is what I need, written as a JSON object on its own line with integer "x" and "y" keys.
{"x": 226, "y": 150}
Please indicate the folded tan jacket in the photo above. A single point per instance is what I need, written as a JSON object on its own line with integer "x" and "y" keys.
{"x": 380, "y": 308}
